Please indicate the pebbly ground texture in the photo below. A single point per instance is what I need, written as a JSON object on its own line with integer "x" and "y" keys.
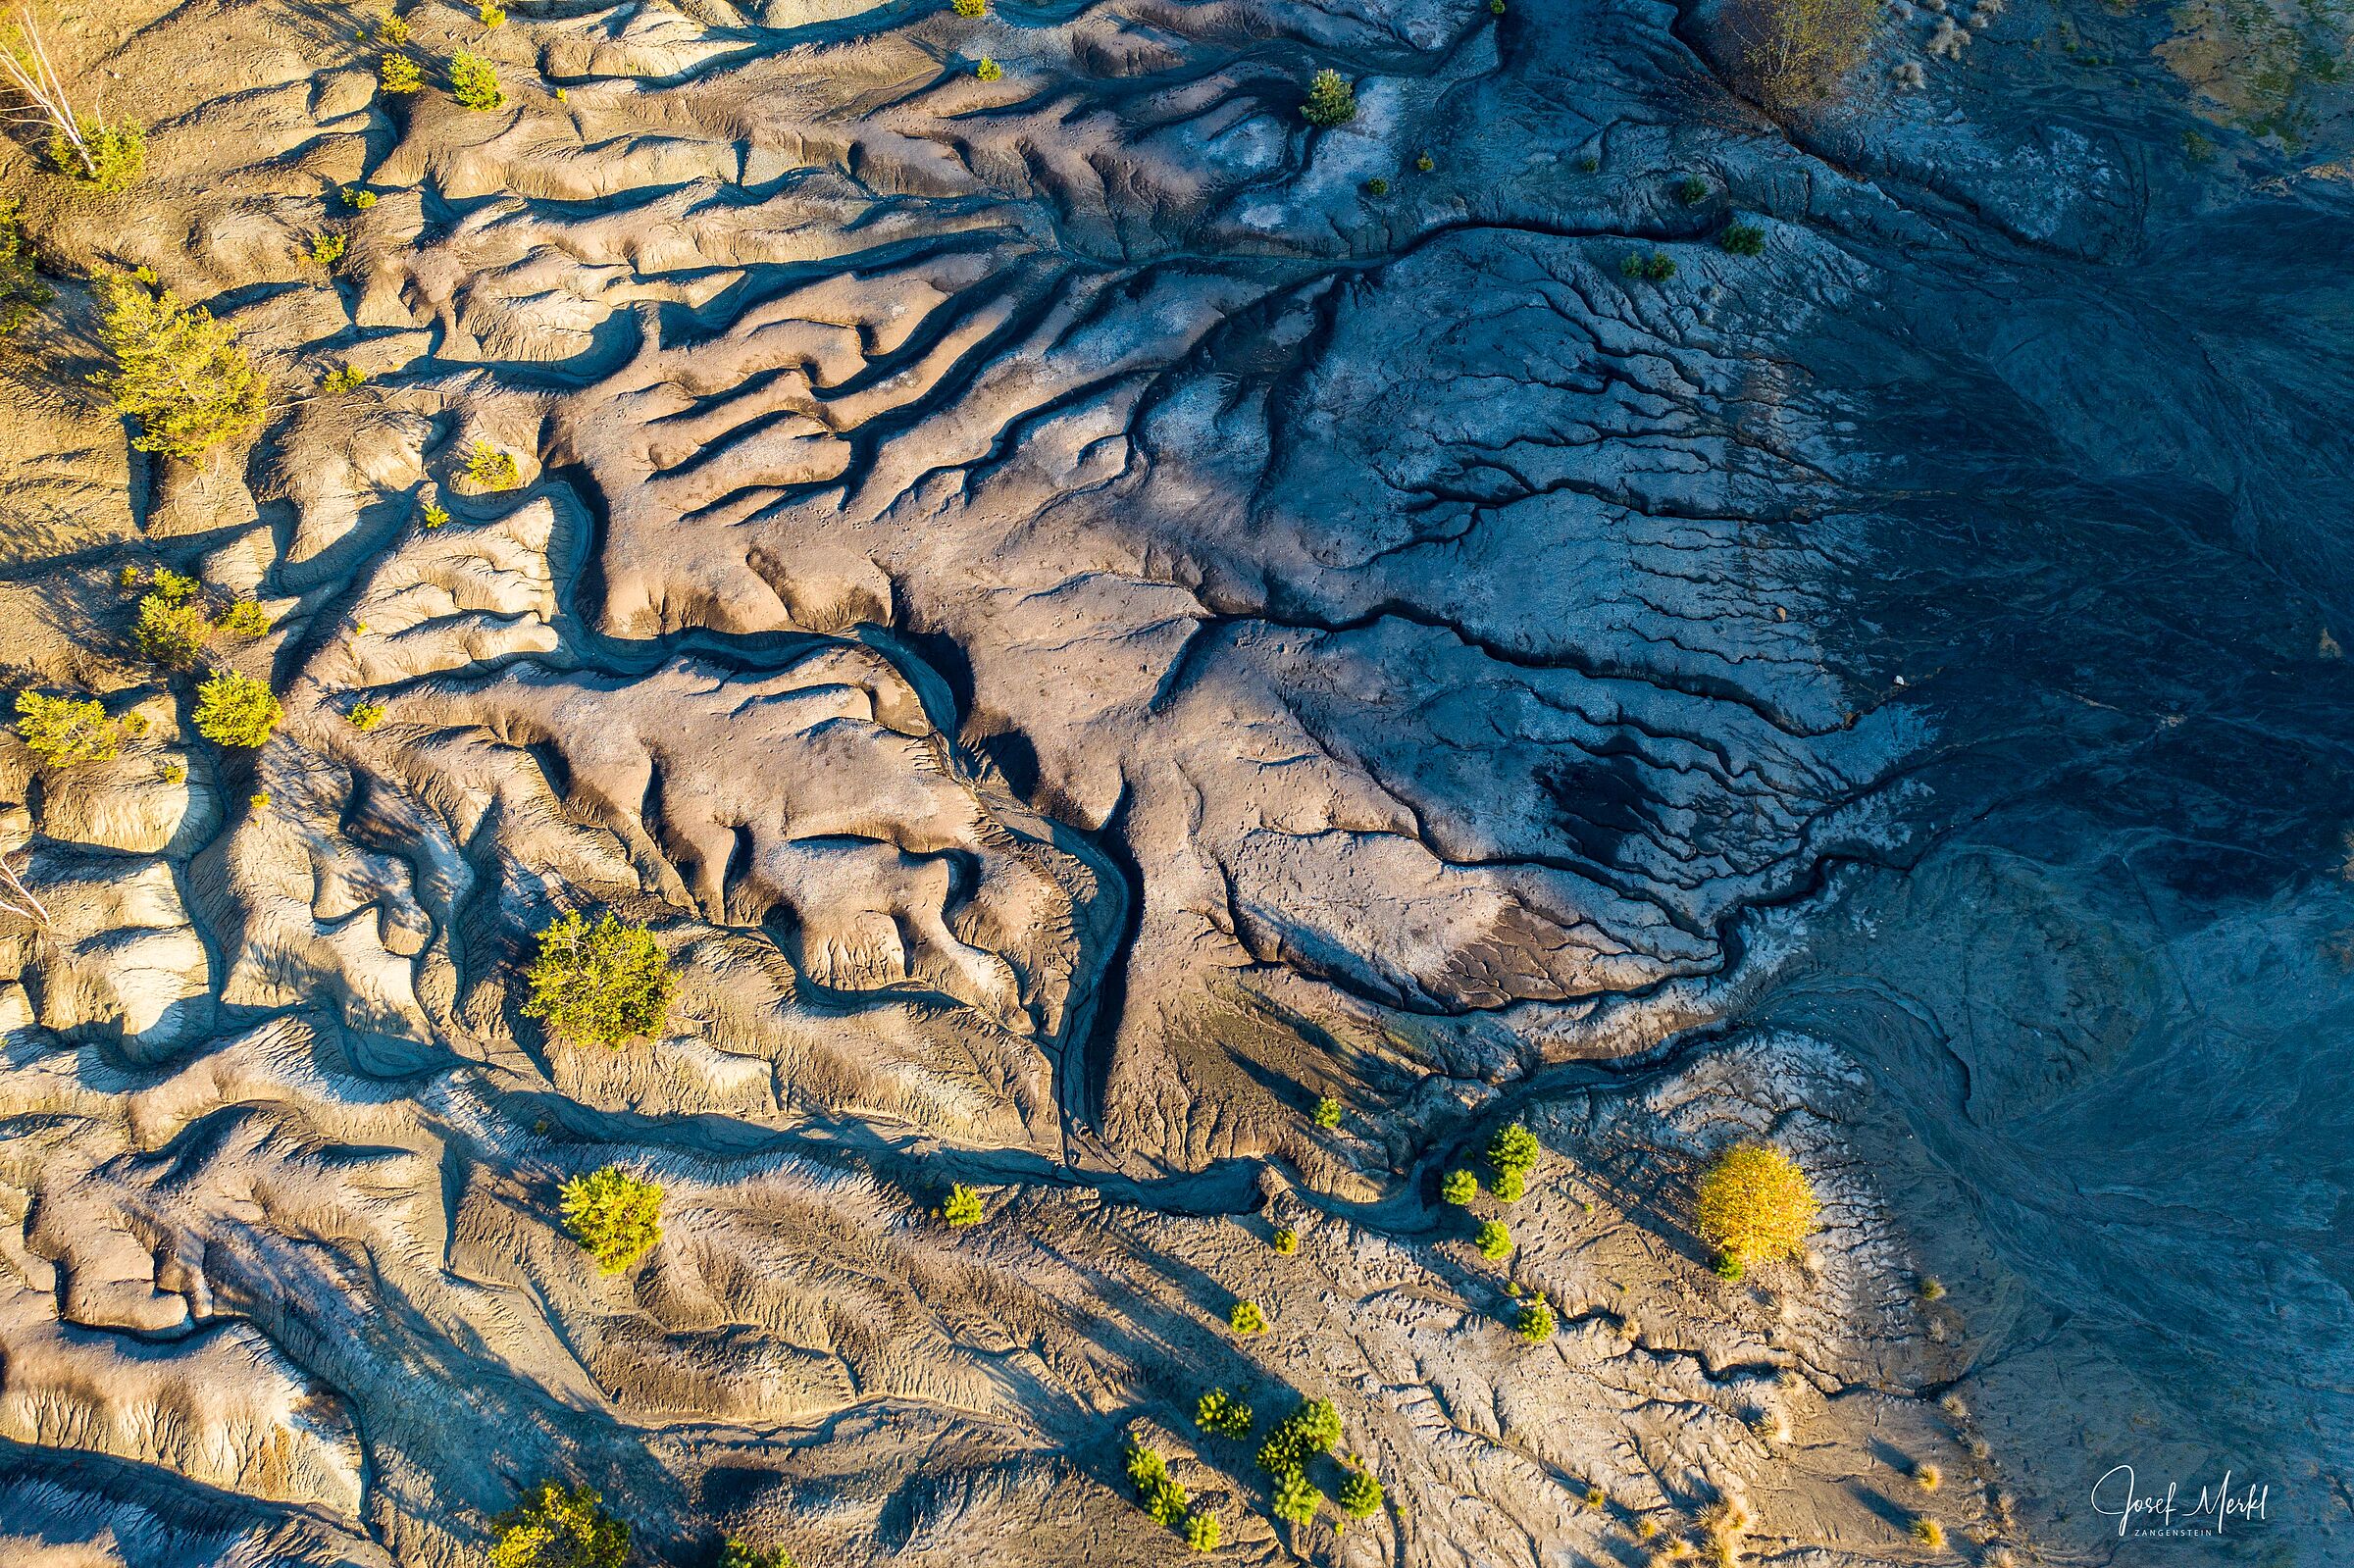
{"x": 1085, "y": 626}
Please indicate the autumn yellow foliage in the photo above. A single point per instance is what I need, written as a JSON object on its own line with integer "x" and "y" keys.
{"x": 1756, "y": 1204}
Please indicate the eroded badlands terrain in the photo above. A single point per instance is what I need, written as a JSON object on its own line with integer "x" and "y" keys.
{"x": 1083, "y": 629}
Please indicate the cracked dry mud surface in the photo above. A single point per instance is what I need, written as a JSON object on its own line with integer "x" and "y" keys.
{"x": 1083, "y": 630}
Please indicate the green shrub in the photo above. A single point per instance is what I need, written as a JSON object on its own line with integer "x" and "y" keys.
{"x": 964, "y": 1207}
{"x": 1297, "y": 1497}
{"x": 177, "y": 372}
{"x": 1331, "y": 101}
{"x": 246, "y": 619}
{"x": 434, "y": 515}
{"x": 108, "y": 159}
{"x": 1496, "y": 7}
{"x": 971, "y": 8}
{"x": 1285, "y": 1241}
{"x": 366, "y": 715}
{"x": 1328, "y": 1113}
{"x": 259, "y": 800}
{"x": 734, "y": 1553}
{"x": 1535, "y": 1322}
{"x": 989, "y": 70}
{"x": 1513, "y": 1149}
{"x": 1691, "y": 190}
{"x": 1359, "y": 1495}
{"x": 555, "y": 1528}
{"x": 1589, "y": 164}
{"x": 1247, "y": 1317}
{"x": 492, "y": 468}
{"x": 1425, "y": 163}
{"x": 358, "y": 198}
{"x": 1144, "y": 1467}
{"x": 398, "y": 77}
{"x": 490, "y": 14}
{"x": 1657, "y": 267}
{"x": 1928, "y": 1478}
{"x": 1932, "y": 1289}
{"x": 1313, "y": 1428}
{"x": 616, "y": 1217}
{"x": 1756, "y": 1204}
{"x": 327, "y": 250}
{"x": 235, "y": 710}
{"x": 1202, "y": 1531}
{"x": 602, "y": 983}
{"x": 1166, "y": 1500}
{"x": 1222, "y": 1415}
{"x": 22, "y": 291}
{"x": 1596, "y": 1496}
{"x": 474, "y": 82}
{"x": 1743, "y": 240}
{"x": 1728, "y": 1266}
{"x": 64, "y": 731}
{"x": 1929, "y": 1533}
{"x": 1458, "y": 1187}
{"x": 390, "y": 29}
{"x": 1793, "y": 54}
{"x": 347, "y": 378}
{"x": 173, "y": 772}
{"x": 1494, "y": 1241}
{"x": 1509, "y": 1187}
{"x": 1377, "y": 187}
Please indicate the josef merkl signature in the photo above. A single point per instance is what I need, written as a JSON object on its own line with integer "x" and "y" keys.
{"x": 2114, "y": 1497}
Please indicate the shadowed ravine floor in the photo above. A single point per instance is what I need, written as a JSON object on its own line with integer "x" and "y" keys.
{"x": 1087, "y": 616}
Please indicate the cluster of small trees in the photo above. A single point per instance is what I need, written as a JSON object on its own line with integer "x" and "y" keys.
{"x": 554, "y": 1526}
{"x": 1166, "y": 1500}
{"x": 473, "y": 79}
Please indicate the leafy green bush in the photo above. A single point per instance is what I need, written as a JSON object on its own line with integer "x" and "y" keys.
{"x": 1331, "y": 101}
{"x": 1794, "y": 54}
{"x": 490, "y": 14}
{"x": 64, "y": 731}
{"x": 614, "y": 1215}
{"x": 964, "y": 1207}
{"x": 1295, "y": 1497}
{"x": 1513, "y": 1149}
{"x": 22, "y": 291}
{"x": 1756, "y": 1204}
{"x": 1691, "y": 190}
{"x": 555, "y": 1528}
{"x": 177, "y": 372}
{"x": 358, "y": 198}
{"x": 1929, "y": 1533}
{"x": 1932, "y": 1289}
{"x": 492, "y": 468}
{"x": 1494, "y": 1241}
{"x": 1728, "y": 1266}
{"x": 390, "y": 29}
{"x": 988, "y": 70}
{"x": 1145, "y": 1466}
{"x": 1458, "y": 1187}
{"x": 434, "y": 515}
{"x": 366, "y": 715}
{"x": 171, "y": 633}
{"x": 1313, "y": 1428}
{"x": 971, "y": 8}
{"x": 1247, "y": 1317}
{"x": 328, "y": 249}
{"x": 734, "y": 1553}
{"x": 1742, "y": 239}
{"x": 1202, "y": 1531}
{"x": 1328, "y": 1113}
{"x": 235, "y": 710}
{"x": 398, "y": 77}
{"x": 1222, "y": 1415}
{"x": 1589, "y": 164}
{"x": 1377, "y": 187}
{"x": 1285, "y": 1241}
{"x": 602, "y": 983}
{"x": 343, "y": 379}
{"x": 1425, "y": 163}
{"x": 1359, "y": 1495}
{"x": 246, "y": 619}
{"x": 107, "y": 158}
{"x": 1657, "y": 267}
{"x": 474, "y": 82}
{"x": 1509, "y": 1187}
{"x": 1596, "y": 1496}
{"x": 1536, "y": 1323}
